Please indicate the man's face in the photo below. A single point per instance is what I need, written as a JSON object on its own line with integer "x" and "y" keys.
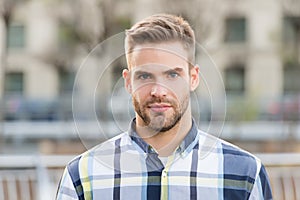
{"x": 160, "y": 84}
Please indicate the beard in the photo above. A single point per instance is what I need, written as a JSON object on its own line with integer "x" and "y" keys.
{"x": 161, "y": 121}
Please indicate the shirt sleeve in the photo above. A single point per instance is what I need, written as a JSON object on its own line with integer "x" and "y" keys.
{"x": 66, "y": 190}
{"x": 262, "y": 188}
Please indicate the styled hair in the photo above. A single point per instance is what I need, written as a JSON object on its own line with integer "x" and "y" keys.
{"x": 161, "y": 28}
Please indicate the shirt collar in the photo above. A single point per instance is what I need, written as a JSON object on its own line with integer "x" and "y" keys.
{"x": 187, "y": 141}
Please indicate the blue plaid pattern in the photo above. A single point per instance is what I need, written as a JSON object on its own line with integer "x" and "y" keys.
{"x": 202, "y": 167}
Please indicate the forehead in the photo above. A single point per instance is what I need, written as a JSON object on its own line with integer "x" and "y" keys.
{"x": 169, "y": 54}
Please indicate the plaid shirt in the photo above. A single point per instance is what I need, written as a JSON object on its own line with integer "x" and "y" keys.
{"x": 202, "y": 167}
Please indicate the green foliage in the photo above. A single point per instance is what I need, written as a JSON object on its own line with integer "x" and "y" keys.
{"x": 67, "y": 36}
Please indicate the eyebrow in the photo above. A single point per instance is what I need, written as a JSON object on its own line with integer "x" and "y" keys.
{"x": 177, "y": 69}
{"x": 139, "y": 72}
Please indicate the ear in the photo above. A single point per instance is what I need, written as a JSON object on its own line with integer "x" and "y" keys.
{"x": 127, "y": 80}
{"x": 194, "y": 73}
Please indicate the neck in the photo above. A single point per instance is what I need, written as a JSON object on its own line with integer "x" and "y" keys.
{"x": 166, "y": 142}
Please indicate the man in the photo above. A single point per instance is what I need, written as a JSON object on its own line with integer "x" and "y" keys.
{"x": 163, "y": 155}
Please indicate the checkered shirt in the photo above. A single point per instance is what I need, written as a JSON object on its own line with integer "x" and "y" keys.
{"x": 202, "y": 167}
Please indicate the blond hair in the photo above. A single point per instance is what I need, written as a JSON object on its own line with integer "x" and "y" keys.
{"x": 161, "y": 28}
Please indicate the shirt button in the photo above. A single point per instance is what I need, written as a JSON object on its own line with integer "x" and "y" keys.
{"x": 164, "y": 173}
{"x": 179, "y": 149}
{"x": 151, "y": 150}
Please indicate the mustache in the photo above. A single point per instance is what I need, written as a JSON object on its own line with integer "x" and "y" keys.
{"x": 159, "y": 100}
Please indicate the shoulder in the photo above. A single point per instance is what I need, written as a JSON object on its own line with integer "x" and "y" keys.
{"x": 233, "y": 150}
{"x": 243, "y": 173}
{"x": 233, "y": 153}
{"x": 235, "y": 160}
{"x": 106, "y": 148}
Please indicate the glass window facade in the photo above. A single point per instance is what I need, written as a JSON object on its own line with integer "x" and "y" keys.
{"x": 16, "y": 37}
{"x": 14, "y": 83}
{"x": 235, "y": 80}
{"x": 235, "y": 30}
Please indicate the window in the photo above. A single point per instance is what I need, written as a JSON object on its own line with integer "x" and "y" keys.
{"x": 16, "y": 36}
{"x": 291, "y": 79}
{"x": 235, "y": 80}
{"x": 235, "y": 30}
{"x": 291, "y": 39}
{"x": 291, "y": 45}
{"x": 14, "y": 83}
{"x": 67, "y": 79}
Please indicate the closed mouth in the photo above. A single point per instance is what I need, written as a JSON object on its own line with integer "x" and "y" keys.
{"x": 159, "y": 107}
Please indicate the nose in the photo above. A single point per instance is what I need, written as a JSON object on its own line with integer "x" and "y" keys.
{"x": 158, "y": 90}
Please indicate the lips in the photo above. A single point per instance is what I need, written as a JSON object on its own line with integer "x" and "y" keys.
{"x": 159, "y": 107}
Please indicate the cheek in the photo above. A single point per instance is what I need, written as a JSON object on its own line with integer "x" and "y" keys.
{"x": 138, "y": 87}
{"x": 141, "y": 93}
{"x": 181, "y": 91}
{"x": 179, "y": 87}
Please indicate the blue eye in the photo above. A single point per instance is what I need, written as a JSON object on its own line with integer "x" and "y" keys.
{"x": 173, "y": 74}
{"x": 144, "y": 76}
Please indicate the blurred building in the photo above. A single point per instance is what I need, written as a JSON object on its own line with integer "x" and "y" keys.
{"x": 255, "y": 46}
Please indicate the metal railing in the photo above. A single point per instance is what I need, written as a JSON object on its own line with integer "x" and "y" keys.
{"x": 255, "y": 130}
{"x": 30, "y": 177}
{"x": 284, "y": 173}
{"x": 33, "y": 177}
